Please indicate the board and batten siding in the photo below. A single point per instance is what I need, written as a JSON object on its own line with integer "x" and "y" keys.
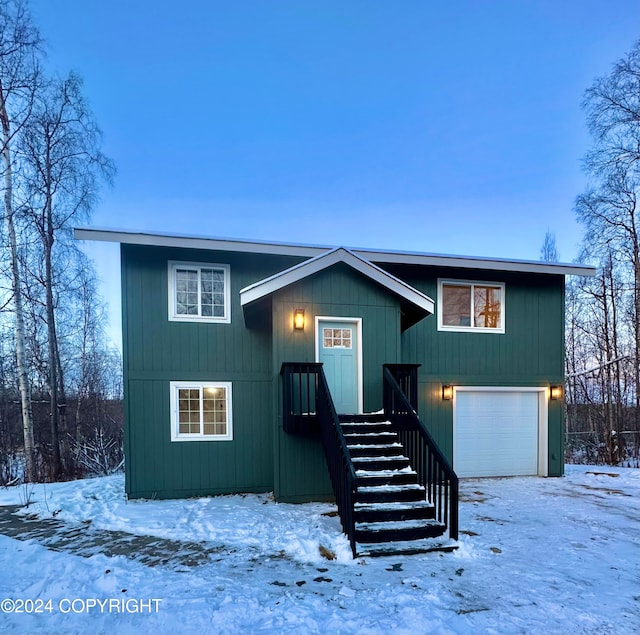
{"x": 529, "y": 353}
{"x": 339, "y": 291}
{"x": 157, "y": 351}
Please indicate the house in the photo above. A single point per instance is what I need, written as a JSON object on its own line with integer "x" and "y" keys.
{"x": 228, "y": 344}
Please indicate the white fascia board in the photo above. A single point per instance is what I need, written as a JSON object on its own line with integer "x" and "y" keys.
{"x": 298, "y": 272}
{"x": 476, "y": 262}
{"x": 311, "y": 251}
{"x": 194, "y": 242}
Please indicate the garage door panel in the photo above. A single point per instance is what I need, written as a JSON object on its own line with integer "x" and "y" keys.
{"x": 496, "y": 433}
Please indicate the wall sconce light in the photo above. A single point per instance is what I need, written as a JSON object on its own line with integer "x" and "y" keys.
{"x": 298, "y": 320}
{"x": 555, "y": 392}
{"x": 447, "y": 393}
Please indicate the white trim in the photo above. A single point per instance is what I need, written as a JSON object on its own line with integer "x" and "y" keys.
{"x": 476, "y": 262}
{"x": 300, "y": 271}
{"x": 185, "y": 241}
{"x": 543, "y": 417}
{"x": 358, "y": 324}
{"x": 309, "y": 251}
{"x": 174, "y": 386}
{"x": 471, "y": 328}
{"x": 174, "y": 316}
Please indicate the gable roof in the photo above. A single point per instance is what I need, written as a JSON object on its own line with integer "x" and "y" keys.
{"x": 310, "y": 251}
{"x": 304, "y": 269}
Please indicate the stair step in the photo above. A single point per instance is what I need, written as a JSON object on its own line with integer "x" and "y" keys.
{"x": 390, "y": 493}
{"x": 405, "y": 548}
{"x": 371, "y": 463}
{"x": 383, "y": 449}
{"x": 398, "y": 531}
{"x": 370, "y": 417}
{"x": 367, "y": 428}
{"x": 404, "y": 476}
{"x": 371, "y": 438}
{"x": 378, "y": 512}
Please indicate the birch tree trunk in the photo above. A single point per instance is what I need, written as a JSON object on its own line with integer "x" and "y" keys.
{"x": 21, "y": 363}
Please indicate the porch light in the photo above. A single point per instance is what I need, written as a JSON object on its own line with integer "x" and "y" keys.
{"x": 555, "y": 392}
{"x": 298, "y": 320}
{"x": 447, "y": 393}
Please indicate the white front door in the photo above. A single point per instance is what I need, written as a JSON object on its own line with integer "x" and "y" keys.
{"x": 338, "y": 348}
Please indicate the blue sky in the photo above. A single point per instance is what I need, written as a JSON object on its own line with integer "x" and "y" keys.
{"x": 449, "y": 127}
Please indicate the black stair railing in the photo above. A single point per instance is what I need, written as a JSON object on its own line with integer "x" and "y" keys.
{"x": 434, "y": 471}
{"x": 299, "y": 398}
{"x": 307, "y": 400}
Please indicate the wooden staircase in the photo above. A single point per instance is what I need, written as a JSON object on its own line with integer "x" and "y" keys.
{"x": 391, "y": 513}
{"x": 395, "y": 490}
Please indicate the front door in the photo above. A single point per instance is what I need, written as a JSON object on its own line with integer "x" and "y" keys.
{"x": 338, "y": 348}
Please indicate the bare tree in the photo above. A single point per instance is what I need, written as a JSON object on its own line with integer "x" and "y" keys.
{"x": 548, "y": 251}
{"x": 19, "y": 49}
{"x": 608, "y": 209}
{"x": 604, "y": 349}
{"x": 62, "y": 168}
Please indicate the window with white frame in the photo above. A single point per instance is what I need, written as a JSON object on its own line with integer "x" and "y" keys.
{"x": 199, "y": 292}
{"x": 201, "y": 411}
{"x": 471, "y": 306}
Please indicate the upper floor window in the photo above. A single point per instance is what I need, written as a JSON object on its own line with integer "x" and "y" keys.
{"x": 199, "y": 292}
{"x": 471, "y": 306}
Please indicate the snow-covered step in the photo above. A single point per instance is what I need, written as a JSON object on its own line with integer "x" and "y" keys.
{"x": 374, "y": 449}
{"x": 392, "y": 506}
{"x": 373, "y": 459}
{"x": 394, "y": 510}
{"x": 354, "y": 436}
{"x": 397, "y": 524}
{"x": 393, "y": 489}
{"x": 399, "y": 530}
{"x": 390, "y": 493}
{"x": 366, "y": 425}
{"x": 404, "y": 470}
{"x": 396, "y": 462}
{"x": 400, "y": 476}
{"x": 405, "y": 548}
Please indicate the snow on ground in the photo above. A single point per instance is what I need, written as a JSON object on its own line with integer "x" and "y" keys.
{"x": 536, "y": 556}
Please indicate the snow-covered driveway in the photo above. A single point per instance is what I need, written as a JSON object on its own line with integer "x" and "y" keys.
{"x": 536, "y": 556}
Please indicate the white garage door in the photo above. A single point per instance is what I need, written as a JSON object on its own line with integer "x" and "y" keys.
{"x": 496, "y": 433}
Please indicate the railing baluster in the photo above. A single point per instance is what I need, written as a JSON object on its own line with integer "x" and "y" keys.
{"x": 434, "y": 472}
{"x": 317, "y": 399}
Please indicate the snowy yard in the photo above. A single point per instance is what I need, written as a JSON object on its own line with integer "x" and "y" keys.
{"x": 536, "y": 556}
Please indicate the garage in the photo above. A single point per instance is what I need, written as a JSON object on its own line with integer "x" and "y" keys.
{"x": 499, "y": 432}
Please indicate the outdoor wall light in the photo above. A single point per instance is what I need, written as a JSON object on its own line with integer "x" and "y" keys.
{"x": 298, "y": 320}
{"x": 447, "y": 393}
{"x": 555, "y": 392}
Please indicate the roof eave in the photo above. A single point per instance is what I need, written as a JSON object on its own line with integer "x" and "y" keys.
{"x": 311, "y": 251}
{"x": 195, "y": 242}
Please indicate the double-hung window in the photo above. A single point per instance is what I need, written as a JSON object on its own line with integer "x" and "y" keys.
{"x": 201, "y": 411}
{"x": 199, "y": 292}
{"x": 471, "y": 306}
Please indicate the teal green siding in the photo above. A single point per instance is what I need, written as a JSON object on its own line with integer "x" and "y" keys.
{"x": 157, "y": 351}
{"x": 301, "y": 472}
{"x": 250, "y": 350}
{"x": 529, "y": 353}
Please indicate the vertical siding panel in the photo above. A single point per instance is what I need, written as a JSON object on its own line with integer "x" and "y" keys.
{"x": 158, "y": 351}
{"x": 336, "y": 292}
